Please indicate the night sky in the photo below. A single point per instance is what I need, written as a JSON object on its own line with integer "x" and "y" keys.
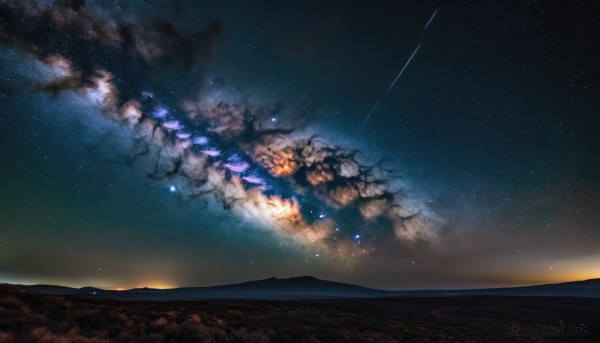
{"x": 193, "y": 143}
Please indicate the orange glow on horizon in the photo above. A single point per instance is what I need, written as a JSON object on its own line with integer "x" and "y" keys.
{"x": 545, "y": 272}
{"x": 151, "y": 284}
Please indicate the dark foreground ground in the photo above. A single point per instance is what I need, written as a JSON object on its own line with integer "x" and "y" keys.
{"x": 50, "y": 318}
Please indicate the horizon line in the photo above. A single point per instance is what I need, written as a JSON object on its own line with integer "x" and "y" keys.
{"x": 124, "y": 289}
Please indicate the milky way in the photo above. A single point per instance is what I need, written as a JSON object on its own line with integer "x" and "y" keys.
{"x": 260, "y": 160}
{"x": 149, "y": 142}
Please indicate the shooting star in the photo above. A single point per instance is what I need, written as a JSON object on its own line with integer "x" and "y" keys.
{"x": 387, "y": 91}
{"x": 431, "y": 18}
{"x": 395, "y": 80}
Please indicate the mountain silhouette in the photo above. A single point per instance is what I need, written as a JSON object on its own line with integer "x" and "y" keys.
{"x": 294, "y": 287}
{"x": 306, "y": 287}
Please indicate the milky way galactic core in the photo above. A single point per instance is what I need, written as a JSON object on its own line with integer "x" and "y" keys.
{"x": 259, "y": 160}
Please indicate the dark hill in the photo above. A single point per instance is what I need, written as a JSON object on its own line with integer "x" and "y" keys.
{"x": 295, "y": 287}
{"x": 305, "y": 287}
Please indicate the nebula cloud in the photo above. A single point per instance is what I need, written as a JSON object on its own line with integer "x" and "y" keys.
{"x": 212, "y": 145}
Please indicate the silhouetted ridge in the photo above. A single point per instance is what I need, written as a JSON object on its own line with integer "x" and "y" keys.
{"x": 303, "y": 287}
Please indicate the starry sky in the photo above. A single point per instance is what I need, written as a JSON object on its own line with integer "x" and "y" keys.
{"x": 193, "y": 143}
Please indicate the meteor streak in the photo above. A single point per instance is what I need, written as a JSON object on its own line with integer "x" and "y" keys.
{"x": 431, "y": 18}
{"x": 387, "y": 91}
{"x": 396, "y": 79}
